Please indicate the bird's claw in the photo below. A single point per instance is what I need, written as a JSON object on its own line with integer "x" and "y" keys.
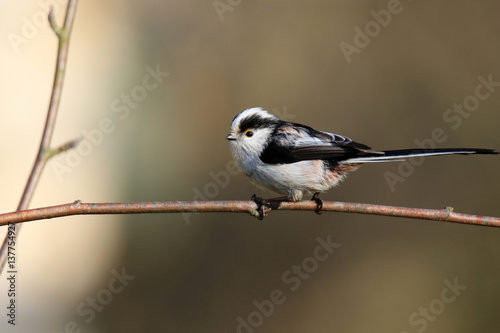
{"x": 262, "y": 207}
{"x": 319, "y": 203}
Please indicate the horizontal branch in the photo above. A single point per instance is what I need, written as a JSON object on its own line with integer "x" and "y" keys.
{"x": 80, "y": 208}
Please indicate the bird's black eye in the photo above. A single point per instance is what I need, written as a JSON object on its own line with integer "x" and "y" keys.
{"x": 249, "y": 133}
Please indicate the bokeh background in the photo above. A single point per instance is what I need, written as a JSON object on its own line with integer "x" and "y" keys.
{"x": 207, "y": 272}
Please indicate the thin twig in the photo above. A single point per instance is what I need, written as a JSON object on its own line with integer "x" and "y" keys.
{"x": 53, "y": 23}
{"x": 64, "y": 147}
{"x": 45, "y": 152}
{"x": 79, "y": 208}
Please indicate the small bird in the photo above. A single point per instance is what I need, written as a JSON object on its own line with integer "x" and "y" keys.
{"x": 293, "y": 159}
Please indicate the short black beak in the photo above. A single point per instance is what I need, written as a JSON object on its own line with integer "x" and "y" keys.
{"x": 230, "y": 137}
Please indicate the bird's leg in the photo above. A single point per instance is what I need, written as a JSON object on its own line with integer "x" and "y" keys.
{"x": 265, "y": 205}
{"x": 319, "y": 203}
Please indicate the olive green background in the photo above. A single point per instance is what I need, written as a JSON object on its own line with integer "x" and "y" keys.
{"x": 201, "y": 273}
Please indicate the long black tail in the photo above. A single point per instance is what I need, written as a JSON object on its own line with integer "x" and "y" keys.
{"x": 401, "y": 154}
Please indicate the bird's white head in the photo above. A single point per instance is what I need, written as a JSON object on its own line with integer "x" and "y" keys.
{"x": 250, "y": 132}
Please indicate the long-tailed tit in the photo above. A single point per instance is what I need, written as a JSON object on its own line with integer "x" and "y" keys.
{"x": 293, "y": 159}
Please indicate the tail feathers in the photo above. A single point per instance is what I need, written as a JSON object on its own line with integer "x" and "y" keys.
{"x": 402, "y": 154}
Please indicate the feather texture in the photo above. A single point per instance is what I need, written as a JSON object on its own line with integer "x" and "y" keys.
{"x": 294, "y": 159}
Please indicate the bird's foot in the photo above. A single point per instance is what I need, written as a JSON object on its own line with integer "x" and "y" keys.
{"x": 266, "y": 205}
{"x": 262, "y": 206}
{"x": 319, "y": 203}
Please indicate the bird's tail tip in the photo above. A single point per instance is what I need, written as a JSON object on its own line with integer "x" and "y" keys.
{"x": 401, "y": 154}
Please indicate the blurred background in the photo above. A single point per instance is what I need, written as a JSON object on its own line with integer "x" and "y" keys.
{"x": 152, "y": 86}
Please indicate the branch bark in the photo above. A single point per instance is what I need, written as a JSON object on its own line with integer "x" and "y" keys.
{"x": 44, "y": 151}
{"x": 249, "y": 207}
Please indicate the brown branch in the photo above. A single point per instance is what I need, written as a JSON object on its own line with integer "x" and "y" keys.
{"x": 44, "y": 151}
{"x": 79, "y": 208}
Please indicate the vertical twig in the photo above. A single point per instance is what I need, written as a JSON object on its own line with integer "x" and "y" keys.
{"x": 45, "y": 152}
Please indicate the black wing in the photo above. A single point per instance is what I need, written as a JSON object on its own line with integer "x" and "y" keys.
{"x": 292, "y": 143}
